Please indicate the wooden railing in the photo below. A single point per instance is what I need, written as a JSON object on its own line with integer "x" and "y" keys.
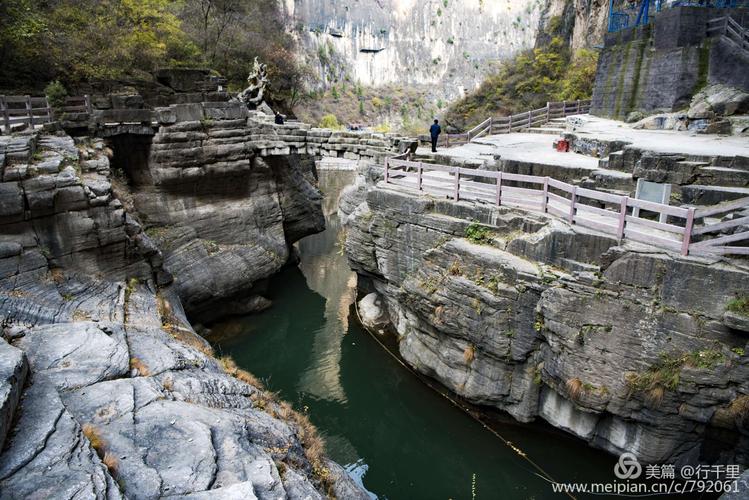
{"x": 24, "y": 109}
{"x": 18, "y": 110}
{"x": 609, "y": 213}
{"x": 731, "y": 29}
{"x": 518, "y": 122}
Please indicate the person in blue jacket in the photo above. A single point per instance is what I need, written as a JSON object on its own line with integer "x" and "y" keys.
{"x": 435, "y": 131}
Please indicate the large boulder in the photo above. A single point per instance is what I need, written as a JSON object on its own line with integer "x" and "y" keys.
{"x": 718, "y": 100}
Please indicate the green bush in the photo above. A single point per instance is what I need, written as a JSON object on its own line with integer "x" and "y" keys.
{"x": 479, "y": 234}
{"x": 739, "y": 305}
{"x": 529, "y": 81}
{"x": 330, "y": 121}
{"x": 56, "y": 94}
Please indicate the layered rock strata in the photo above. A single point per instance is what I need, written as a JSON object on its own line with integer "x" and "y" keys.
{"x": 120, "y": 398}
{"x": 625, "y": 346}
{"x": 225, "y": 193}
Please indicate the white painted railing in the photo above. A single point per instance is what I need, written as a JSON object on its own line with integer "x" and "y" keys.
{"x": 609, "y": 213}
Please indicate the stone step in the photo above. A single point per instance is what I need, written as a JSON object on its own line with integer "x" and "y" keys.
{"x": 545, "y": 130}
{"x": 723, "y": 176}
{"x": 611, "y": 181}
{"x": 698, "y": 194}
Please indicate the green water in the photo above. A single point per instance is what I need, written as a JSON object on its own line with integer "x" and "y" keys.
{"x": 399, "y": 437}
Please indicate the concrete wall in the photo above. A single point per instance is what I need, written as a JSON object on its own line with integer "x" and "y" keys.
{"x": 660, "y": 66}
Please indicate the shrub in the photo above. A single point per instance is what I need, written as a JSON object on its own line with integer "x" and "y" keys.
{"x": 739, "y": 305}
{"x": 330, "y": 121}
{"x": 56, "y": 94}
{"x": 478, "y": 234}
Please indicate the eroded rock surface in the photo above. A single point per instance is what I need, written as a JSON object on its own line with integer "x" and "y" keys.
{"x": 623, "y": 346}
{"x": 122, "y": 398}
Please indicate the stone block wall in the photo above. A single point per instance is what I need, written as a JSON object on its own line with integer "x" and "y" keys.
{"x": 659, "y": 67}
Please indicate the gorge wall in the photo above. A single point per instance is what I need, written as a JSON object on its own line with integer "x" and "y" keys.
{"x": 625, "y": 346}
{"x": 102, "y": 376}
{"x": 449, "y": 45}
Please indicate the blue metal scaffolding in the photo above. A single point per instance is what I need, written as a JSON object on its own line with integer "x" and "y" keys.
{"x": 626, "y": 13}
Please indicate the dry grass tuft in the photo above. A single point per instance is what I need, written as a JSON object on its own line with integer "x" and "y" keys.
{"x": 229, "y": 365}
{"x": 140, "y": 366}
{"x": 438, "y": 312}
{"x": 111, "y": 461}
{"x": 57, "y": 275}
{"x": 739, "y": 408}
{"x": 574, "y": 388}
{"x": 455, "y": 269}
{"x": 469, "y": 354}
{"x": 168, "y": 384}
{"x": 93, "y": 434}
{"x": 313, "y": 444}
{"x": 248, "y": 378}
{"x": 654, "y": 397}
{"x": 173, "y": 326}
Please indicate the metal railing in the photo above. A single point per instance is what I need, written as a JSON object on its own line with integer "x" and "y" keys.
{"x": 627, "y": 13}
{"x": 608, "y": 213}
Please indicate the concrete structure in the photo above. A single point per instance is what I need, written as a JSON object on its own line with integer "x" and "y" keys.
{"x": 659, "y": 67}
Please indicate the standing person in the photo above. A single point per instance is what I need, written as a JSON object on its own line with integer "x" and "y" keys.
{"x": 435, "y": 131}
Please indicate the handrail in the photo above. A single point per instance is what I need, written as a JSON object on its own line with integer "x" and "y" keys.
{"x": 520, "y": 121}
{"x": 606, "y": 212}
{"x": 37, "y": 110}
{"x": 731, "y": 29}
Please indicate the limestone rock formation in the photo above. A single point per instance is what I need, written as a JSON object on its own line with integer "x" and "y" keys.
{"x": 448, "y": 46}
{"x": 13, "y": 371}
{"x": 123, "y": 399}
{"x": 624, "y": 346}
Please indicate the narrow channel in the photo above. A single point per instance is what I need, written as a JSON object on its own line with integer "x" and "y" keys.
{"x": 399, "y": 437}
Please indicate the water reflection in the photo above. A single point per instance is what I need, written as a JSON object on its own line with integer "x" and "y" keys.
{"x": 398, "y": 437}
{"x": 322, "y": 264}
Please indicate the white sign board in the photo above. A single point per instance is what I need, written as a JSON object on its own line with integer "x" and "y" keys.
{"x": 652, "y": 191}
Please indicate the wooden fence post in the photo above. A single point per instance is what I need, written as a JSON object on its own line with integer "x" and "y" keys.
{"x": 29, "y": 112}
{"x": 564, "y": 108}
{"x": 387, "y": 170}
{"x": 509, "y": 127}
{"x": 622, "y": 218}
{"x": 571, "y": 217}
{"x": 530, "y": 119}
{"x": 545, "y": 202}
{"x": 6, "y": 115}
{"x": 49, "y": 110}
{"x": 548, "y": 111}
{"x": 491, "y": 125}
{"x": 578, "y": 106}
{"x": 688, "y": 232}
{"x": 499, "y": 190}
{"x": 420, "y": 170}
{"x": 87, "y": 103}
{"x": 456, "y": 171}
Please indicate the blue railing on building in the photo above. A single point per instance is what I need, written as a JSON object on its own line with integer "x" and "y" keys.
{"x": 626, "y": 13}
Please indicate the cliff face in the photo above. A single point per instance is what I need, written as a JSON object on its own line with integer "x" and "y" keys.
{"x": 623, "y": 346}
{"x": 583, "y": 23}
{"x": 102, "y": 377}
{"x": 449, "y": 45}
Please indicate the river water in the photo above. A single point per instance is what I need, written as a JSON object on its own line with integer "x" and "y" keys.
{"x": 399, "y": 437}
